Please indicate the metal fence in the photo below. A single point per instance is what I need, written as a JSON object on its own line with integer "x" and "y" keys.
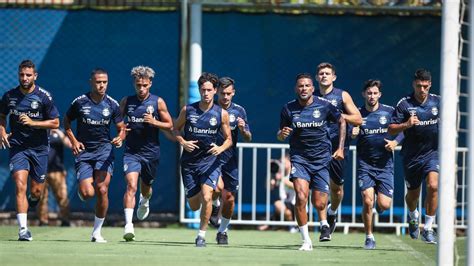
{"x": 251, "y": 211}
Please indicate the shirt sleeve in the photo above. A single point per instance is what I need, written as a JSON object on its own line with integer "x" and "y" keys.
{"x": 398, "y": 115}
{"x": 4, "y": 105}
{"x": 333, "y": 114}
{"x": 116, "y": 115}
{"x": 285, "y": 117}
{"x": 73, "y": 111}
{"x": 50, "y": 110}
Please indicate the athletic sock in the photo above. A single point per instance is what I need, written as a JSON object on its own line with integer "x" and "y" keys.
{"x": 429, "y": 222}
{"x": 305, "y": 234}
{"x": 224, "y": 224}
{"x": 128, "y": 215}
{"x": 98, "y": 222}
{"x": 21, "y": 218}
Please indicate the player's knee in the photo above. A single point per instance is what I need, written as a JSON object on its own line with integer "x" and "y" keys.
{"x": 102, "y": 190}
{"x": 432, "y": 186}
{"x": 207, "y": 197}
{"x": 131, "y": 189}
{"x": 337, "y": 191}
{"x": 368, "y": 202}
{"x": 384, "y": 205}
{"x": 36, "y": 193}
{"x": 229, "y": 198}
{"x": 320, "y": 205}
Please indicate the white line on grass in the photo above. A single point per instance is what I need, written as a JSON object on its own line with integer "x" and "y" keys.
{"x": 421, "y": 257}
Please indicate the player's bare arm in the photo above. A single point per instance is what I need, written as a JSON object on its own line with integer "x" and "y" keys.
{"x": 189, "y": 146}
{"x": 40, "y": 124}
{"x": 225, "y": 129}
{"x": 246, "y": 134}
{"x": 77, "y": 147}
{"x": 339, "y": 153}
{"x": 3, "y": 133}
{"x": 353, "y": 115}
{"x": 395, "y": 129}
{"x": 166, "y": 122}
{"x": 121, "y": 134}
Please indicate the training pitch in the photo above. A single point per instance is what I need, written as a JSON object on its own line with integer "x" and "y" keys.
{"x": 175, "y": 246}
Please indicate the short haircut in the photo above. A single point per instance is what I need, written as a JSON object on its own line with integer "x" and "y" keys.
{"x": 225, "y": 82}
{"x": 422, "y": 74}
{"x": 208, "y": 77}
{"x": 303, "y": 76}
{"x": 143, "y": 72}
{"x": 96, "y": 71}
{"x": 371, "y": 83}
{"x": 326, "y": 65}
{"x": 27, "y": 64}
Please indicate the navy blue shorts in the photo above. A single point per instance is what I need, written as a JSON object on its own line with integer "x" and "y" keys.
{"x": 417, "y": 170}
{"x": 34, "y": 161}
{"x": 380, "y": 179}
{"x": 145, "y": 167}
{"x": 336, "y": 169}
{"x": 194, "y": 177}
{"x": 316, "y": 174}
{"x": 230, "y": 176}
{"x": 85, "y": 165}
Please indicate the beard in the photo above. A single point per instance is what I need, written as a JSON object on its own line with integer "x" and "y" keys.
{"x": 26, "y": 86}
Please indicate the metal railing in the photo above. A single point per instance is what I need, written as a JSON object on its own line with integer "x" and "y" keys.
{"x": 253, "y": 213}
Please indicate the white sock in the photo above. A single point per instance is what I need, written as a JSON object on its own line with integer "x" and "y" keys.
{"x": 414, "y": 214}
{"x": 21, "y": 218}
{"x": 98, "y": 222}
{"x": 224, "y": 224}
{"x": 305, "y": 234}
{"x": 331, "y": 212}
{"x": 128, "y": 215}
{"x": 323, "y": 222}
{"x": 371, "y": 236}
{"x": 202, "y": 233}
{"x": 216, "y": 202}
{"x": 429, "y": 221}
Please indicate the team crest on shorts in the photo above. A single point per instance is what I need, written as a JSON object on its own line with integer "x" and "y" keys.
{"x": 293, "y": 170}
{"x": 407, "y": 184}
{"x": 361, "y": 183}
{"x": 383, "y": 120}
{"x": 150, "y": 109}
{"x": 125, "y": 167}
{"x": 316, "y": 113}
{"x": 213, "y": 121}
{"x": 106, "y": 112}
{"x": 434, "y": 110}
{"x": 11, "y": 166}
{"x": 231, "y": 118}
{"x": 34, "y": 104}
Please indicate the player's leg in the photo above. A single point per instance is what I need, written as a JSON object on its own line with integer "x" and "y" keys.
{"x": 102, "y": 181}
{"x": 431, "y": 204}
{"x": 148, "y": 175}
{"x": 367, "y": 216}
{"x": 129, "y": 204}
{"x": 411, "y": 199}
{"x": 336, "y": 187}
{"x": 228, "y": 205}
{"x": 20, "y": 178}
{"x": 216, "y": 203}
{"x": 302, "y": 192}
{"x": 84, "y": 173}
{"x": 59, "y": 187}
{"x": 206, "y": 210}
{"x": 42, "y": 208}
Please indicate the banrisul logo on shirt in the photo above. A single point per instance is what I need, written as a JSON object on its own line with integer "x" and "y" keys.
{"x": 106, "y": 112}
{"x": 316, "y": 113}
{"x": 150, "y": 109}
{"x": 383, "y": 120}
{"x": 434, "y": 110}
{"x": 213, "y": 121}
{"x": 34, "y": 104}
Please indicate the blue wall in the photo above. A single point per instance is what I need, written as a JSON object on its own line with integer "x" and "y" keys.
{"x": 263, "y": 52}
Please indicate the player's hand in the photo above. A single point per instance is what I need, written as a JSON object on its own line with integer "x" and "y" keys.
{"x": 391, "y": 144}
{"x": 355, "y": 132}
{"x": 412, "y": 121}
{"x": 148, "y": 118}
{"x": 338, "y": 154}
{"x": 284, "y": 133}
{"x": 77, "y": 147}
{"x": 26, "y": 120}
{"x": 241, "y": 124}
{"x": 117, "y": 142}
{"x": 215, "y": 150}
{"x": 190, "y": 146}
{"x": 4, "y": 141}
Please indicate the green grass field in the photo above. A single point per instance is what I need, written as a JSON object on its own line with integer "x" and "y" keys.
{"x": 56, "y": 246}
